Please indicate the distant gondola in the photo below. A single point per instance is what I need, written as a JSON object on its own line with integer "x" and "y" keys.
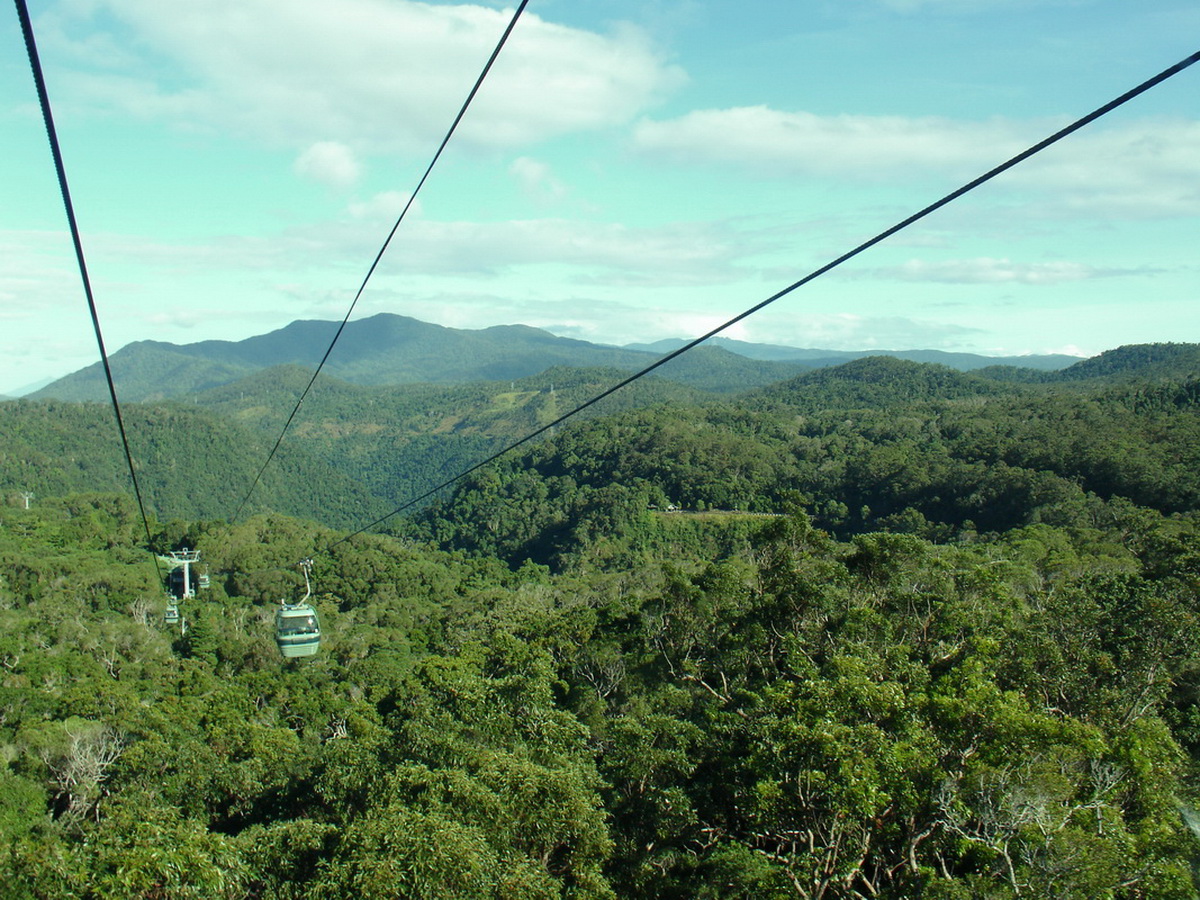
{"x": 297, "y": 627}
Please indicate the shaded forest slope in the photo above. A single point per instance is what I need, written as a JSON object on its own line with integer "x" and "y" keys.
{"x": 875, "y": 444}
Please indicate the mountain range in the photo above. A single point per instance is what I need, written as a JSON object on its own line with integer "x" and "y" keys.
{"x": 388, "y": 349}
{"x": 819, "y": 359}
{"x": 361, "y": 448}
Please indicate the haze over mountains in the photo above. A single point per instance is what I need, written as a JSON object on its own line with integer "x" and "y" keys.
{"x": 391, "y": 349}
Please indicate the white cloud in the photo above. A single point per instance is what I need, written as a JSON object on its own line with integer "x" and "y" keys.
{"x": 38, "y": 273}
{"x": 536, "y": 180}
{"x": 602, "y": 252}
{"x": 328, "y": 162}
{"x": 847, "y": 331}
{"x": 383, "y": 207}
{"x": 1147, "y": 168}
{"x": 180, "y": 319}
{"x": 1068, "y": 350}
{"x": 985, "y": 270}
{"x": 582, "y": 252}
{"x": 772, "y": 142}
{"x": 382, "y": 75}
{"x": 967, "y": 7}
{"x": 338, "y": 251}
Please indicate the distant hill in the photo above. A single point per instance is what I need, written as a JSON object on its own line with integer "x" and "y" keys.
{"x": 388, "y": 349}
{"x": 25, "y": 389}
{"x": 878, "y": 382}
{"x": 721, "y": 371}
{"x": 1138, "y": 361}
{"x": 814, "y": 358}
{"x": 1133, "y": 362}
{"x": 383, "y": 349}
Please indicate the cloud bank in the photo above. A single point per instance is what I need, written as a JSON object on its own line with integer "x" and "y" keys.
{"x": 1145, "y": 168}
{"x": 382, "y": 75}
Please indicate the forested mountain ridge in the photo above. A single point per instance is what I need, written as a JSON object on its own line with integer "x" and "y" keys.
{"x": 392, "y": 349}
{"x": 877, "y": 381}
{"x": 386, "y": 349}
{"x": 375, "y": 447}
{"x": 382, "y": 349}
{"x": 1133, "y": 362}
{"x": 1140, "y": 361}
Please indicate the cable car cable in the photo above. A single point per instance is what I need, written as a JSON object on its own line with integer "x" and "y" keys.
{"x": 379, "y": 256}
{"x": 816, "y": 273}
{"x": 60, "y": 169}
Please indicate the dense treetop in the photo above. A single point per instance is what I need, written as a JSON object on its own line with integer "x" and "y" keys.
{"x": 885, "y": 631}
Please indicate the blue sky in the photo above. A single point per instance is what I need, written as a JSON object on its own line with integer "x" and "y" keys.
{"x": 631, "y": 171}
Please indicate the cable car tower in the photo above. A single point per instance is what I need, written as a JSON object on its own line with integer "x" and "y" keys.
{"x": 297, "y": 628}
{"x": 182, "y": 583}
